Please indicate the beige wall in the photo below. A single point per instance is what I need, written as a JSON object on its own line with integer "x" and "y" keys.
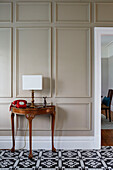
{"x": 54, "y": 39}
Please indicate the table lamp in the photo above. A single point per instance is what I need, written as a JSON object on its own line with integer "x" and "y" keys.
{"x": 32, "y": 82}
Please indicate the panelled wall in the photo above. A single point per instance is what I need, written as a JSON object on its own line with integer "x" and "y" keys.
{"x": 55, "y": 39}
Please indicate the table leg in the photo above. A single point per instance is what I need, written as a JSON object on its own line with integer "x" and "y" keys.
{"x": 109, "y": 115}
{"x": 13, "y": 138}
{"x": 30, "y": 138}
{"x": 106, "y": 113}
{"x": 53, "y": 123}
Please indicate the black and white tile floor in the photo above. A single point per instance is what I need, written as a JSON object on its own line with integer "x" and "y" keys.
{"x": 62, "y": 159}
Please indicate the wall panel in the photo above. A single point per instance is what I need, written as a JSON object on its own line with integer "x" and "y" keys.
{"x": 5, "y": 12}
{"x": 73, "y": 116}
{"x": 104, "y": 12}
{"x": 73, "y": 62}
{"x": 5, "y": 117}
{"x": 71, "y": 12}
{"x": 33, "y": 12}
{"x": 5, "y": 62}
{"x": 38, "y": 121}
{"x": 33, "y": 59}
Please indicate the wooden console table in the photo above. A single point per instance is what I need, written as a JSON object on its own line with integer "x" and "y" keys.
{"x": 30, "y": 113}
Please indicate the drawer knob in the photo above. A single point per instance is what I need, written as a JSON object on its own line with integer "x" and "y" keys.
{"x": 48, "y": 110}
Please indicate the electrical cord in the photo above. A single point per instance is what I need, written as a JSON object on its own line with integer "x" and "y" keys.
{"x": 24, "y": 136}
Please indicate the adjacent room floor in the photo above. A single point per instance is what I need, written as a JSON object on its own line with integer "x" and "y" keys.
{"x": 106, "y": 131}
{"x": 105, "y": 124}
{"x": 107, "y": 137}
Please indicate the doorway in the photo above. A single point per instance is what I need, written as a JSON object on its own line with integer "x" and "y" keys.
{"x": 103, "y": 74}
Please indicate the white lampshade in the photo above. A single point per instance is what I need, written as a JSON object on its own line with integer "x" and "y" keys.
{"x": 32, "y": 82}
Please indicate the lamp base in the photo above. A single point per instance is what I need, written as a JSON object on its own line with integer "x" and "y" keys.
{"x": 32, "y": 102}
{"x": 32, "y": 105}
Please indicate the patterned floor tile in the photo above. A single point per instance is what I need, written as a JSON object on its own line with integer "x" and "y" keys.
{"x": 69, "y": 154}
{"x": 106, "y": 147}
{"x": 109, "y": 163}
{"x": 25, "y": 153}
{"x": 0, "y": 151}
{"x": 26, "y": 163}
{"x": 9, "y": 154}
{"x": 106, "y": 154}
{"x": 50, "y": 154}
{"x": 71, "y": 163}
{"x": 101, "y": 159}
{"x": 92, "y": 163}
{"x": 49, "y": 163}
{"x": 6, "y": 163}
{"x": 89, "y": 154}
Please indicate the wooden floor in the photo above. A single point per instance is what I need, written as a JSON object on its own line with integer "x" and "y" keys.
{"x": 107, "y": 137}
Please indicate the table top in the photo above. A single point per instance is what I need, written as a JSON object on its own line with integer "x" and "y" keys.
{"x": 39, "y": 109}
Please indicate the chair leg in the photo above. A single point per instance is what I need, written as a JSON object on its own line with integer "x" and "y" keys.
{"x": 109, "y": 115}
{"x": 106, "y": 113}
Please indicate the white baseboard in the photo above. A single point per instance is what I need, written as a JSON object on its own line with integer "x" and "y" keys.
{"x": 67, "y": 142}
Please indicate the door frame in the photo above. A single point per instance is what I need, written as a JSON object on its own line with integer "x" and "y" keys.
{"x": 98, "y": 32}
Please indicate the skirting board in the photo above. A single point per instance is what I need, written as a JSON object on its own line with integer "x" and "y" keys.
{"x": 40, "y": 142}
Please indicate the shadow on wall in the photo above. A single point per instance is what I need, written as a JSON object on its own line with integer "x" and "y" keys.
{"x": 61, "y": 117}
{"x": 46, "y": 87}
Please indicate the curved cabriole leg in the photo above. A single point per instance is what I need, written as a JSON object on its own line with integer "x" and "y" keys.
{"x": 13, "y": 138}
{"x": 30, "y": 139}
{"x": 53, "y": 123}
{"x": 30, "y": 117}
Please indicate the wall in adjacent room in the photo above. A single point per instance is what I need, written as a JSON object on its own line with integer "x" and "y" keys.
{"x": 55, "y": 39}
{"x": 110, "y": 71}
{"x": 107, "y": 66}
{"x": 104, "y": 76}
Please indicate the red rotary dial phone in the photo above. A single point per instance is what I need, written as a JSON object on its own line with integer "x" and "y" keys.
{"x": 19, "y": 104}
